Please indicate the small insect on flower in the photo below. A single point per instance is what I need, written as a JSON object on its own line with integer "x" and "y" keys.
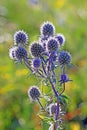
{"x": 12, "y": 52}
{"x": 34, "y": 93}
{"x": 64, "y": 78}
{"x": 47, "y": 29}
{"x": 61, "y": 39}
{"x": 21, "y": 53}
{"x": 52, "y": 44}
{"x": 20, "y": 38}
{"x": 36, "y": 49}
{"x": 64, "y": 58}
{"x": 36, "y": 63}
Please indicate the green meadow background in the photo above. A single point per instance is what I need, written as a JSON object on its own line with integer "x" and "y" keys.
{"x": 69, "y": 18}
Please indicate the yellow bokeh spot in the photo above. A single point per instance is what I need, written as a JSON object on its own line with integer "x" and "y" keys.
{"x": 21, "y": 72}
{"x": 75, "y": 126}
{"x": 7, "y": 76}
{"x": 38, "y": 127}
{"x": 60, "y": 3}
{"x": 6, "y": 89}
{"x": 71, "y": 86}
{"x": 4, "y": 68}
{"x": 82, "y": 62}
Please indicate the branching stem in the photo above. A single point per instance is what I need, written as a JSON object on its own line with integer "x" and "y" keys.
{"x": 40, "y": 104}
{"x": 57, "y": 110}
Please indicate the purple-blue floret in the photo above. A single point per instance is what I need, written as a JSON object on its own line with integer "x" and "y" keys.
{"x": 20, "y": 37}
{"x": 64, "y": 58}
{"x": 33, "y": 93}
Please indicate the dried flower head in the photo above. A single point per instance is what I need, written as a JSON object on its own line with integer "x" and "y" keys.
{"x": 47, "y": 29}
{"x": 20, "y": 38}
{"x": 33, "y": 93}
{"x": 36, "y": 49}
{"x": 64, "y": 58}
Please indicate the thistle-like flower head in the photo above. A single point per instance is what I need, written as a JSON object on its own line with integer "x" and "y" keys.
{"x": 36, "y": 63}
{"x": 52, "y": 44}
{"x": 36, "y": 49}
{"x": 21, "y": 53}
{"x": 33, "y": 93}
{"x": 52, "y": 108}
{"x": 61, "y": 39}
{"x": 64, "y": 78}
{"x": 20, "y": 38}
{"x": 47, "y": 29}
{"x": 64, "y": 58}
{"x": 12, "y": 52}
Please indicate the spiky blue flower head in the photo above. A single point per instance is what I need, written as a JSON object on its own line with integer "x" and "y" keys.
{"x": 47, "y": 29}
{"x": 34, "y": 93}
{"x": 64, "y": 58}
{"x": 20, "y": 38}
{"x": 36, "y": 49}
{"x": 64, "y": 78}
{"x": 21, "y": 53}
{"x": 36, "y": 63}
{"x": 61, "y": 39}
{"x": 52, "y": 44}
{"x": 12, "y": 52}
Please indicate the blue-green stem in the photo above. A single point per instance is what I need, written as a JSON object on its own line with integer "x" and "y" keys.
{"x": 58, "y": 100}
{"x": 40, "y": 104}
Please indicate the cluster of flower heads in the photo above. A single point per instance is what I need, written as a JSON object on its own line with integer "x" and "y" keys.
{"x": 48, "y": 44}
{"x": 42, "y": 58}
{"x": 18, "y": 51}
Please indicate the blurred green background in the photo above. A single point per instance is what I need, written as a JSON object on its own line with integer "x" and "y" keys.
{"x": 69, "y": 18}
